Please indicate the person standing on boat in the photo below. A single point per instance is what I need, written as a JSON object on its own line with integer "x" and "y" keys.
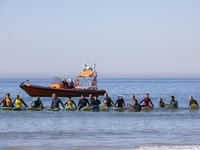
{"x": 120, "y": 102}
{"x": 18, "y": 102}
{"x": 37, "y": 102}
{"x": 91, "y": 98}
{"x": 64, "y": 83}
{"x": 161, "y": 103}
{"x": 82, "y": 102}
{"x": 70, "y": 102}
{"x": 55, "y": 102}
{"x": 108, "y": 100}
{"x": 6, "y": 101}
{"x": 71, "y": 84}
{"x": 96, "y": 101}
{"x": 146, "y": 101}
{"x": 192, "y": 101}
{"x": 173, "y": 102}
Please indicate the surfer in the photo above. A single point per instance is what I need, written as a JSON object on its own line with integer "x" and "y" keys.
{"x": 6, "y": 101}
{"x": 161, "y": 103}
{"x": 82, "y": 102}
{"x": 18, "y": 102}
{"x": 37, "y": 102}
{"x": 136, "y": 105}
{"x": 120, "y": 102}
{"x": 173, "y": 102}
{"x": 192, "y": 101}
{"x": 91, "y": 98}
{"x": 55, "y": 102}
{"x": 70, "y": 102}
{"x": 108, "y": 100}
{"x": 146, "y": 101}
{"x": 96, "y": 101}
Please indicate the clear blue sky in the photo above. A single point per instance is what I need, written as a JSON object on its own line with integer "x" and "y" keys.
{"x": 125, "y": 38}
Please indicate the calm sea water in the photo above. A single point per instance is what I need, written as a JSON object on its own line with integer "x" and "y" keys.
{"x": 155, "y": 129}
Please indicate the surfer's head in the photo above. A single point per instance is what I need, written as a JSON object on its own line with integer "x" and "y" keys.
{"x": 190, "y": 98}
{"x": 17, "y": 96}
{"x": 160, "y": 99}
{"x": 147, "y": 95}
{"x": 172, "y": 98}
{"x": 82, "y": 96}
{"x": 37, "y": 98}
{"x": 54, "y": 95}
{"x": 132, "y": 96}
{"x": 105, "y": 95}
{"x": 135, "y": 102}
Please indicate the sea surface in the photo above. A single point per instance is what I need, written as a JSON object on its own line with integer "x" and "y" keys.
{"x": 157, "y": 129}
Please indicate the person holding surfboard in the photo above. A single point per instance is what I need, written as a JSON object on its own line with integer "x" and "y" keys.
{"x": 173, "y": 102}
{"x": 108, "y": 102}
{"x": 55, "y": 102}
{"x": 161, "y": 103}
{"x": 120, "y": 102}
{"x": 146, "y": 101}
{"x": 37, "y": 102}
{"x": 70, "y": 102}
{"x": 192, "y": 101}
{"x": 82, "y": 102}
{"x": 96, "y": 101}
{"x": 18, "y": 102}
{"x": 6, "y": 101}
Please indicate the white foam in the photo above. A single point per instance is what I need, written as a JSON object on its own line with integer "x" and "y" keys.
{"x": 189, "y": 147}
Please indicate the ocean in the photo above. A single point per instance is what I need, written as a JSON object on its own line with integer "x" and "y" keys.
{"x": 157, "y": 129}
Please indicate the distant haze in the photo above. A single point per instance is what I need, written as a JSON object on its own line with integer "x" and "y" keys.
{"x": 125, "y": 38}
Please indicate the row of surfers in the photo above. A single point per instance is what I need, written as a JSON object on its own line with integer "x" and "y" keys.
{"x": 93, "y": 101}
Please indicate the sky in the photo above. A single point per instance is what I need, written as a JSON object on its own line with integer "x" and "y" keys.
{"x": 125, "y": 38}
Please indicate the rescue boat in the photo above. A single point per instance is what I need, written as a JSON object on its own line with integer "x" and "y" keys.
{"x": 60, "y": 91}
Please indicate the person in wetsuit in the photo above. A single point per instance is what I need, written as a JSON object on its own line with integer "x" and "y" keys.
{"x": 6, "y": 101}
{"x": 95, "y": 101}
{"x": 161, "y": 103}
{"x": 55, "y": 102}
{"x": 91, "y": 98}
{"x": 82, "y": 102}
{"x": 70, "y": 102}
{"x": 173, "y": 102}
{"x": 120, "y": 102}
{"x": 192, "y": 101}
{"x": 136, "y": 105}
{"x": 37, "y": 102}
{"x": 146, "y": 101}
{"x": 18, "y": 102}
{"x": 108, "y": 100}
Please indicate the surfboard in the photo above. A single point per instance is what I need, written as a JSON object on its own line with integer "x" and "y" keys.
{"x": 34, "y": 108}
{"x": 69, "y": 108}
{"x": 119, "y": 109}
{"x": 86, "y": 108}
{"x": 194, "y": 106}
{"x": 166, "y": 105}
{"x": 146, "y": 108}
{"x": 17, "y": 109}
{"x": 6, "y": 108}
{"x": 53, "y": 109}
{"x": 95, "y": 108}
{"x": 130, "y": 107}
{"x": 103, "y": 107}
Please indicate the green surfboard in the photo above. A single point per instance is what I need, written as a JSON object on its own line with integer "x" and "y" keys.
{"x": 53, "y": 109}
{"x": 34, "y": 108}
{"x": 194, "y": 106}
{"x": 103, "y": 107}
{"x": 167, "y": 105}
{"x": 69, "y": 108}
{"x": 86, "y": 108}
{"x": 17, "y": 109}
{"x": 119, "y": 109}
{"x": 6, "y": 108}
{"x": 146, "y": 108}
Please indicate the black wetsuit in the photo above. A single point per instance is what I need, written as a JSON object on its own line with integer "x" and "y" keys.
{"x": 161, "y": 104}
{"x": 82, "y": 103}
{"x": 137, "y": 107}
{"x": 55, "y": 103}
{"x": 91, "y": 99}
{"x": 96, "y": 102}
{"x": 120, "y": 103}
{"x": 109, "y": 101}
{"x": 193, "y": 102}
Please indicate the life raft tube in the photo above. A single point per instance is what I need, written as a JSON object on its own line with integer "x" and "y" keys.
{"x": 92, "y": 82}
{"x": 76, "y": 82}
